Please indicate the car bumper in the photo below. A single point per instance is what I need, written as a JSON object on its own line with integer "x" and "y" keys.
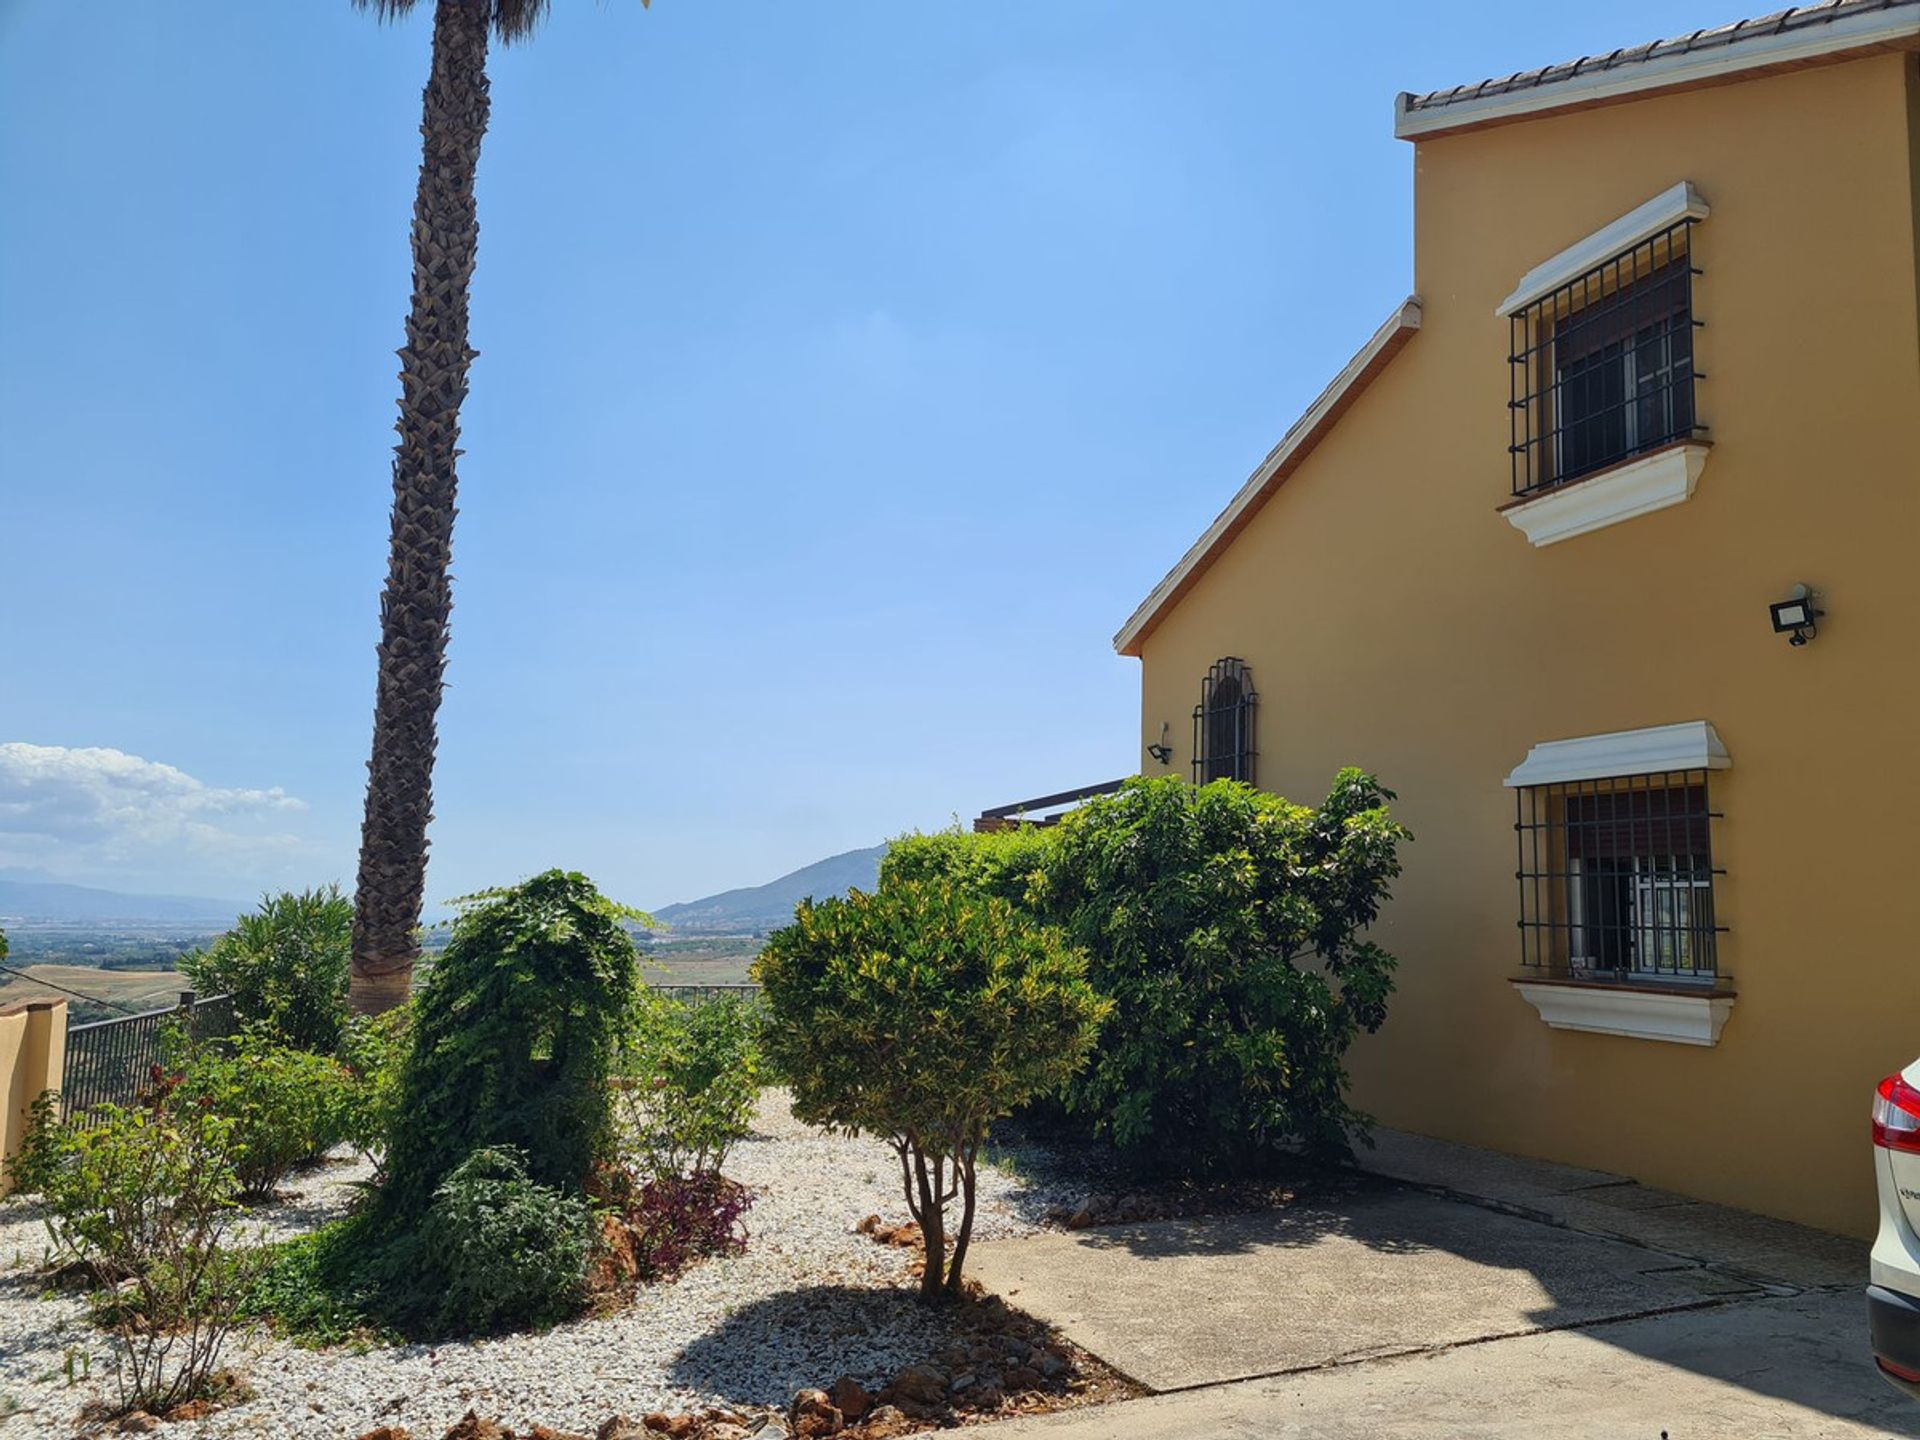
{"x": 1893, "y": 1320}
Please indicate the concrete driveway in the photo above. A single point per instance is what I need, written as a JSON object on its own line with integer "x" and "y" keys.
{"x": 1519, "y": 1300}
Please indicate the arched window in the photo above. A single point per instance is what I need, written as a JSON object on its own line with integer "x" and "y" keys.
{"x": 1223, "y": 724}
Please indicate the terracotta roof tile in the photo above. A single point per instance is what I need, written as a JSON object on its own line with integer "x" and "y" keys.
{"x": 1797, "y": 18}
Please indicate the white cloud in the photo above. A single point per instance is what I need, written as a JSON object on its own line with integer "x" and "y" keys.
{"x": 111, "y": 817}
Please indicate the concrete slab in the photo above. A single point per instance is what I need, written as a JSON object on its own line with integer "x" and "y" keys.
{"x": 1592, "y": 1201}
{"x": 1757, "y": 1245}
{"x": 1792, "y": 1367}
{"x": 1197, "y": 1302}
{"x": 1468, "y": 1170}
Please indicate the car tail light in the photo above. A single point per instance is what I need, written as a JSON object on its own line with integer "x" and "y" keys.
{"x": 1896, "y": 1115}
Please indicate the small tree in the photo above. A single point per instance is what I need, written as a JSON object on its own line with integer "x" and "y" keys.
{"x": 1225, "y": 924}
{"x": 515, "y": 1038}
{"x": 285, "y": 964}
{"x": 923, "y": 1013}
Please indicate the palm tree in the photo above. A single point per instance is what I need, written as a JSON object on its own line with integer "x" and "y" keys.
{"x": 418, "y": 597}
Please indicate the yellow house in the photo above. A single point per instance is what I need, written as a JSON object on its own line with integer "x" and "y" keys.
{"x": 1539, "y": 557}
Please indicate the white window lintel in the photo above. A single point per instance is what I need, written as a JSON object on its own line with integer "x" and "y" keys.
{"x": 1655, "y": 750}
{"x": 1679, "y": 1018}
{"x": 1672, "y": 205}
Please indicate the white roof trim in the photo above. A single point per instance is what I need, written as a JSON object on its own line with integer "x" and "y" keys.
{"x": 1854, "y": 32}
{"x": 1692, "y": 745}
{"x": 1298, "y": 435}
{"x": 1671, "y": 206}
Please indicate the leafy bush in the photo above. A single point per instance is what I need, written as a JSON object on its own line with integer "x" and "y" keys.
{"x": 502, "y": 1252}
{"x": 689, "y": 1077}
{"x": 285, "y": 965}
{"x": 922, "y": 1013}
{"x": 515, "y": 1037}
{"x": 677, "y": 1219}
{"x": 1224, "y": 925}
{"x": 286, "y": 1107}
{"x": 998, "y": 862}
{"x": 374, "y": 1050}
{"x": 144, "y": 1198}
{"x": 311, "y": 1288}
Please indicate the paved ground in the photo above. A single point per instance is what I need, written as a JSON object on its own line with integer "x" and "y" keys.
{"x": 1475, "y": 1294}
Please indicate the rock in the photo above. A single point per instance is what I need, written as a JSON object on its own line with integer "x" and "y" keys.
{"x": 471, "y": 1427}
{"x": 1050, "y": 1365}
{"x": 850, "y": 1397}
{"x": 813, "y": 1415}
{"x": 547, "y": 1432}
{"x": 886, "y": 1422}
{"x": 963, "y": 1382}
{"x": 388, "y": 1432}
{"x": 139, "y": 1422}
{"x": 191, "y": 1410}
{"x": 1022, "y": 1378}
{"x": 621, "y": 1427}
{"x": 919, "y": 1385}
{"x": 986, "y": 1397}
{"x": 867, "y": 1226}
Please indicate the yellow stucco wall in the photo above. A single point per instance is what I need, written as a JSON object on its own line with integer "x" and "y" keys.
{"x": 33, "y": 1051}
{"x": 1393, "y": 620}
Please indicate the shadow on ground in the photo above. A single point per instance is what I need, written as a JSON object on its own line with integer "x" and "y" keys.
{"x": 765, "y": 1351}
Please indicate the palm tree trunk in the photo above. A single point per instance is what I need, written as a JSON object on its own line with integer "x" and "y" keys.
{"x": 418, "y": 598}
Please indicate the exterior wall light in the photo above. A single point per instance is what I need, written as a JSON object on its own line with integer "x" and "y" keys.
{"x": 1795, "y": 617}
{"x": 1163, "y": 752}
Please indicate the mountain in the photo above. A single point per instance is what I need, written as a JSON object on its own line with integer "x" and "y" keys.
{"x": 69, "y": 904}
{"x": 769, "y": 906}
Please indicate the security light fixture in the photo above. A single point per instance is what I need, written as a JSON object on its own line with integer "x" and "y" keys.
{"x": 1162, "y": 752}
{"x": 1796, "y": 617}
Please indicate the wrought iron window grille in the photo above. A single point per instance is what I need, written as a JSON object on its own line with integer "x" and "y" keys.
{"x": 1617, "y": 878}
{"x": 1603, "y": 368}
{"x": 1223, "y": 747}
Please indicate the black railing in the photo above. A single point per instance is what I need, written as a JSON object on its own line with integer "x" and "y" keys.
{"x": 1041, "y": 810}
{"x": 1602, "y": 368}
{"x": 1617, "y": 878}
{"x": 701, "y": 994}
{"x": 110, "y": 1062}
{"x": 1223, "y": 747}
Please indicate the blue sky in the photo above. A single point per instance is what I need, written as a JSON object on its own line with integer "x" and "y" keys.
{"x": 848, "y": 373}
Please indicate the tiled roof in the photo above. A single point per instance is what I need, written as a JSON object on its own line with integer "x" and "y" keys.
{"x": 1843, "y": 23}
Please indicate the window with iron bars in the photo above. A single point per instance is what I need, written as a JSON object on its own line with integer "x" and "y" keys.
{"x": 1617, "y": 878}
{"x": 1602, "y": 368}
{"x": 1223, "y": 724}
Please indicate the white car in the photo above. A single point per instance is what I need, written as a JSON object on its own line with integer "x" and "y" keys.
{"x": 1893, "y": 1296}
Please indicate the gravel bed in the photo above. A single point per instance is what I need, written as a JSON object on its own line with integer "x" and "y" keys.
{"x": 808, "y": 1300}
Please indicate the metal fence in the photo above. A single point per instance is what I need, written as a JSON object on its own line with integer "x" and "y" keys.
{"x": 700, "y": 994}
{"x": 111, "y": 1061}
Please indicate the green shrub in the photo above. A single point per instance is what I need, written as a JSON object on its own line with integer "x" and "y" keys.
{"x": 285, "y": 964}
{"x": 689, "y": 1077}
{"x": 311, "y": 1288}
{"x": 1224, "y": 924}
{"x": 922, "y": 1013}
{"x": 515, "y": 1039}
{"x": 373, "y": 1048}
{"x": 144, "y": 1198}
{"x": 500, "y": 1252}
{"x": 287, "y": 1107}
{"x": 999, "y": 862}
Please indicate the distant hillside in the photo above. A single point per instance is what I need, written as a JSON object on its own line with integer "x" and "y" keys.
{"x": 45, "y": 900}
{"x": 769, "y": 906}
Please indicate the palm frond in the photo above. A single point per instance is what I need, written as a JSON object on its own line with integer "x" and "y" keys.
{"x": 510, "y": 19}
{"x": 386, "y": 9}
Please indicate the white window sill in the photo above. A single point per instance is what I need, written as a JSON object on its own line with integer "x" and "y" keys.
{"x": 1677, "y": 1016}
{"x": 1638, "y": 487}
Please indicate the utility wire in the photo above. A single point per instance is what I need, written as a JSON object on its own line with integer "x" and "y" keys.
{"x": 90, "y": 999}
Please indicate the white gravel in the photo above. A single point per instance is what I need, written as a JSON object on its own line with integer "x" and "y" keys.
{"x": 808, "y": 1300}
